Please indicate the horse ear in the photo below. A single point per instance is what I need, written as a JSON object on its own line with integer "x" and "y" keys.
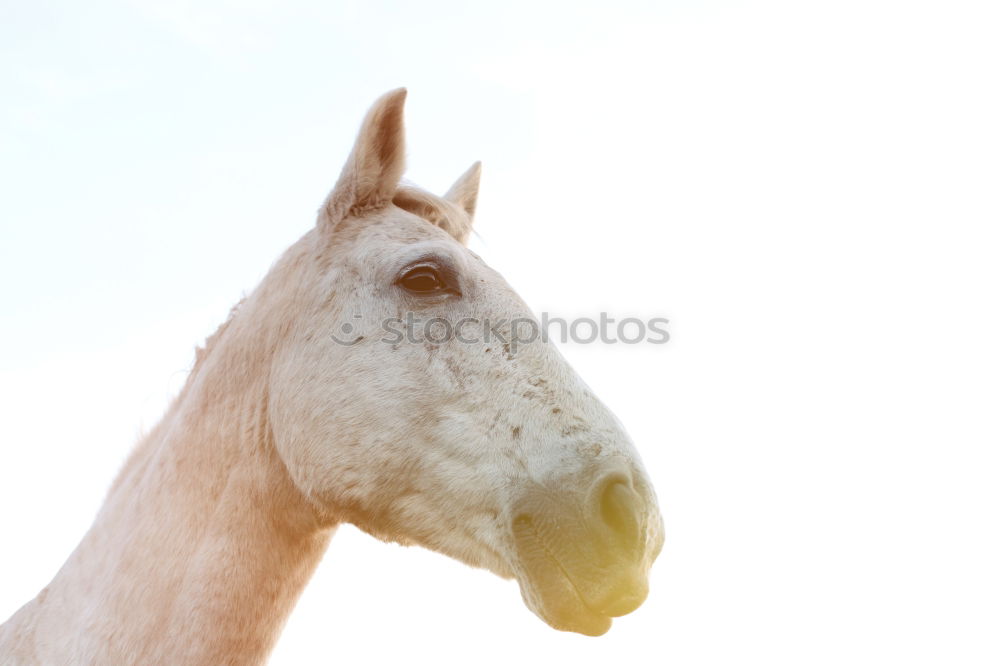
{"x": 465, "y": 191}
{"x": 376, "y": 163}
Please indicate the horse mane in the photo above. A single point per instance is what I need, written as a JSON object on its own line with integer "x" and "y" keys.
{"x": 202, "y": 352}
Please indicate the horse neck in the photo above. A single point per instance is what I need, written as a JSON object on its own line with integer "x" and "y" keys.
{"x": 204, "y": 543}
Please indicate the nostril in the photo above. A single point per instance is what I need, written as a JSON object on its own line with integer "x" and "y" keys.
{"x": 523, "y": 522}
{"x": 620, "y": 510}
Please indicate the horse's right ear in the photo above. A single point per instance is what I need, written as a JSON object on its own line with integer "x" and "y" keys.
{"x": 376, "y": 163}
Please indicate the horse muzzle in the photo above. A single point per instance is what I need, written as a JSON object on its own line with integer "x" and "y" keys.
{"x": 584, "y": 557}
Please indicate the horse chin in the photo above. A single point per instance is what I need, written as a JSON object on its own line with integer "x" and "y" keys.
{"x": 557, "y": 603}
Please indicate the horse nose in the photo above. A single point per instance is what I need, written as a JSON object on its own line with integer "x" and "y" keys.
{"x": 619, "y": 522}
{"x": 592, "y": 534}
{"x": 618, "y": 508}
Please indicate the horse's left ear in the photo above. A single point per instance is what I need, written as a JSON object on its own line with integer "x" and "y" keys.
{"x": 466, "y": 189}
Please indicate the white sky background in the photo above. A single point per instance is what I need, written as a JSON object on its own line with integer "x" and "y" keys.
{"x": 809, "y": 191}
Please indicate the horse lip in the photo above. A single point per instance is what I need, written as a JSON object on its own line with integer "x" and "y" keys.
{"x": 589, "y": 622}
{"x": 625, "y": 604}
{"x": 587, "y": 619}
{"x": 622, "y": 605}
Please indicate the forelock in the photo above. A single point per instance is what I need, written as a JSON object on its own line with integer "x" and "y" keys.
{"x": 439, "y": 212}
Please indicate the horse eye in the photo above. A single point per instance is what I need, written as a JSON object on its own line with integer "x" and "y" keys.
{"x": 422, "y": 280}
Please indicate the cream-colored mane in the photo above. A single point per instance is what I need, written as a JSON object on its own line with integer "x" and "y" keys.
{"x": 502, "y": 459}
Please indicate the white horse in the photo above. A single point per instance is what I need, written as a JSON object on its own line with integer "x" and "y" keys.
{"x": 288, "y": 426}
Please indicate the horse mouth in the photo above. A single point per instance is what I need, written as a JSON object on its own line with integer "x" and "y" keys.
{"x": 553, "y": 591}
{"x": 571, "y": 613}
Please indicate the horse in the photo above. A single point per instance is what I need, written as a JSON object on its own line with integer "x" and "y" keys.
{"x": 301, "y": 412}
